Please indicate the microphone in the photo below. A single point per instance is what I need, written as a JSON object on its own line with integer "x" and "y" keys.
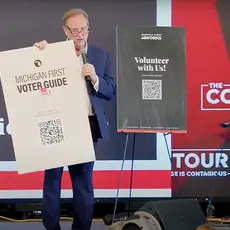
{"x": 85, "y": 60}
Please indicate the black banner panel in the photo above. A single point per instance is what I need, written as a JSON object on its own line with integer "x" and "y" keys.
{"x": 151, "y": 68}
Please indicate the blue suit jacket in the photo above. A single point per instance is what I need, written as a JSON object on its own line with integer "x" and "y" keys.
{"x": 103, "y": 66}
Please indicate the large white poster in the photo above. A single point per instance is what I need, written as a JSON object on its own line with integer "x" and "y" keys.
{"x": 43, "y": 92}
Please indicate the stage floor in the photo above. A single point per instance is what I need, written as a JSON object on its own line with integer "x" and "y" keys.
{"x": 65, "y": 225}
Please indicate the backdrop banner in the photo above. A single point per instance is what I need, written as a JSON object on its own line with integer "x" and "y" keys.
{"x": 201, "y": 157}
{"x": 38, "y": 94}
{"x": 151, "y": 67}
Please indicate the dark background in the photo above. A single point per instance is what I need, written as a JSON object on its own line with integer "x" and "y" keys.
{"x": 223, "y": 9}
{"x": 25, "y": 22}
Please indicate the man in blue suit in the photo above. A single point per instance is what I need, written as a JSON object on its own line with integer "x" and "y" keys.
{"x": 100, "y": 86}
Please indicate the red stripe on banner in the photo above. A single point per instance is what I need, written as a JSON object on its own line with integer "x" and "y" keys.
{"x": 102, "y": 180}
{"x": 150, "y": 131}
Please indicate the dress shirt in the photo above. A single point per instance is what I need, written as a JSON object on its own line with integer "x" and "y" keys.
{"x": 86, "y": 97}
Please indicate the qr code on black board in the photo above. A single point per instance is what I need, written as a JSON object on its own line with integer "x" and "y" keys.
{"x": 152, "y": 89}
{"x": 51, "y": 132}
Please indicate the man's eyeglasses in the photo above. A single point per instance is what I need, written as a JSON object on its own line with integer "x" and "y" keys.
{"x": 83, "y": 31}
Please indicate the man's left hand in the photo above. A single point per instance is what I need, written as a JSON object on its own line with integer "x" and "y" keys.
{"x": 89, "y": 70}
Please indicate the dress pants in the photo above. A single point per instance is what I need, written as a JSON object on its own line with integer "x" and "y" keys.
{"x": 83, "y": 193}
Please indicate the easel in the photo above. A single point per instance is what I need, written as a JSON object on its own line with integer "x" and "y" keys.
{"x": 132, "y": 164}
{"x": 131, "y": 72}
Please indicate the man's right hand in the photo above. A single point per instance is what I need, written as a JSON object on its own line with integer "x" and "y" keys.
{"x": 41, "y": 45}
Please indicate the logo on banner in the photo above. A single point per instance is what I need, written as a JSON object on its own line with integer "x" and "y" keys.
{"x": 215, "y": 96}
{"x": 38, "y": 63}
{"x": 45, "y": 92}
{"x": 151, "y": 36}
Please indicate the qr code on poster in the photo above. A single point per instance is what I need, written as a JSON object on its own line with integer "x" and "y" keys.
{"x": 51, "y": 132}
{"x": 152, "y": 89}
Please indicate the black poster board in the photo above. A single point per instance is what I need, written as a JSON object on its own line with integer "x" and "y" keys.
{"x": 151, "y": 79}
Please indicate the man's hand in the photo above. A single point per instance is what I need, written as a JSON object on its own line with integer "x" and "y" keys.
{"x": 89, "y": 70}
{"x": 41, "y": 45}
